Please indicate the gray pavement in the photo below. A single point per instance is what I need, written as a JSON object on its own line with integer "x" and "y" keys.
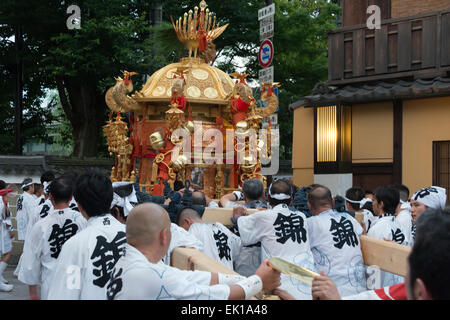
{"x": 20, "y": 291}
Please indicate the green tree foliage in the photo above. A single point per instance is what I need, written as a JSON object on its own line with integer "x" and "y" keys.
{"x": 81, "y": 63}
{"x": 35, "y": 118}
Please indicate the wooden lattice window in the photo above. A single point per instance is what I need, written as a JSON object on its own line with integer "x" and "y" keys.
{"x": 441, "y": 165}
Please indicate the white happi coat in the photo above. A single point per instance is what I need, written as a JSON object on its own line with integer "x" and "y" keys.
{"x": 136, "y": 278}
{"x": 40, "y": 212}
{"x": 26, "y": 204}
{"x": 283, "y": 233}
{"x": 43, "y": 210}
{"x": 219, "y": 242}
{"x": 369, "y": 219}
{"x": 43, "y": 246}
{"x": 405, "y": 220}
{"x": 40, "y": 200}
{"x": 334, "y": 240}
{"x": 5, "y": 224}
{"x": 86, "y": 260}
{"x": 180, "y": 238}
{"x": 387, "y": 227}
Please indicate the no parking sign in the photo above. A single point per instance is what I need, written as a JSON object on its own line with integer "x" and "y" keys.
{"x": 265, "y": 55}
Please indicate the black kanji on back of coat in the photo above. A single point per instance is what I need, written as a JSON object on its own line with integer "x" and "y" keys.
{"x": 19, "y": 203}
{"x": 60, "y": 235}
{"x": 398, "y": 236}
{"x": 107, "y": 253}
{"x": 222, "y": 245}
{"x": 74, "y": 207}
{"x": 114, "y": 285}
{"x": 343, "y": 233}
{"x": 44, "y": 211}
{"x": 290, "y": 227}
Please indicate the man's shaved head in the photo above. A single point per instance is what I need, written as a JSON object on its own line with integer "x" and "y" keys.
{"x": 188, "y": 213}
{"x": 144, "y": 224}
{"x": 187, "y": 217}
{"x": 320, "y": 196}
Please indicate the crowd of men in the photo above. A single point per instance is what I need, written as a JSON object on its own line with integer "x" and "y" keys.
{"x": 87, "y": 238}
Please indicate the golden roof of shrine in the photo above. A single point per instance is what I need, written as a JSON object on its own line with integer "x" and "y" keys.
{"x": 204, "y": 84}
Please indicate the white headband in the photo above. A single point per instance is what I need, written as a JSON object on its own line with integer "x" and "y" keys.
{"x": 433, "y": 197}
{"x": 27, "y": 185}
{"x": 278, "y": 196}
{"x": 352, "y": 201}
{"x": 46, "y": 186}
{"x": 124, "y": 202}
{"x": 364, "y": 201}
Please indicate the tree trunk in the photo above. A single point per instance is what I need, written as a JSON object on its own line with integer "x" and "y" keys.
{"x": 85, "y": 108}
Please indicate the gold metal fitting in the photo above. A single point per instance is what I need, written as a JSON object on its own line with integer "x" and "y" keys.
{"x": 157, "y": 141}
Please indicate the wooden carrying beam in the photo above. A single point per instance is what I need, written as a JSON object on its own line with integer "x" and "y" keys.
{"x": 222, "y": 215}
{"x": 192, "y": 259}
{"x": 388, "y": 256}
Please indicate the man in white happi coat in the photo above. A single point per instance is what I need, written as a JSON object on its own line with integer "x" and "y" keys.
{"x": 433, "y": 197}
{"x": 427, "y": 270}
{"x": 354, "y": 200}
{"x": 25, "y": 206}
{"x": 219, "y": 243}
{"x": 44, "y": 207}
{"x": 6, "y": 236}
{"x": 47, "y": 237}
{"x": 403, "y": 214}
{"x": 86, "y": 259}
{"x": 334, "y": 240}
{"x": 125, "y": 199}
{"x": 254, "y": 198}
{"x": 385, "y": 203}
{"x": 140, "y": 273}
{"x": 38, "y": 193}
{"x": 283, "y": 233}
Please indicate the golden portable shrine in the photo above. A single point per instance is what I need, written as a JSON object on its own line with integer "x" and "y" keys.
{"x": 188, "y": 97}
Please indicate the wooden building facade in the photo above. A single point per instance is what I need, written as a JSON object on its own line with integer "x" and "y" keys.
{"x": 384, "y": 113}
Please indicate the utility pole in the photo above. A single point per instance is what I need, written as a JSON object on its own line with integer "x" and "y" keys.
{"x": 18, "y": 101}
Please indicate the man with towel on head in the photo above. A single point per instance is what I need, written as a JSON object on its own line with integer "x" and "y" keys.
{"x": 354, "y": 198}
{"x": 25, "y": 206}
{"x": 26, "y": 203}
{"x": 283, "y": 233}
{"x": 426, "y": 198}
{"x": 43, "y": 209}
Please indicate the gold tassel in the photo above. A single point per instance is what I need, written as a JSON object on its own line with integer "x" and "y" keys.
{"x": 154, "y": 171}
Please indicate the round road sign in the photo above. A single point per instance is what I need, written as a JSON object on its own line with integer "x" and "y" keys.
{"x": 265, "y": 54}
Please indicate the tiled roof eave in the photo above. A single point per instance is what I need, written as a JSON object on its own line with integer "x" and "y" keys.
{"x": 376, "y": 92}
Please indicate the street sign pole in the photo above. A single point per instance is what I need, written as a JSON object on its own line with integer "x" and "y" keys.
{"x": 266, "y": 51}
